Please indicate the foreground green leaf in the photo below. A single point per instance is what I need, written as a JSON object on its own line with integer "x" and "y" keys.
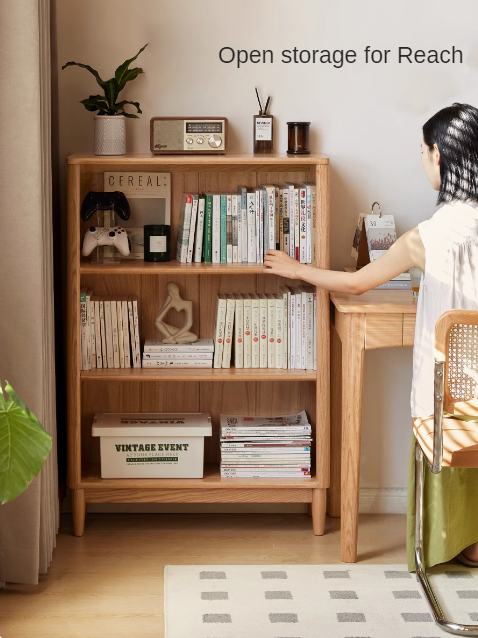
{"x": 123, "y": 68}
{"x": 24, "y": 445}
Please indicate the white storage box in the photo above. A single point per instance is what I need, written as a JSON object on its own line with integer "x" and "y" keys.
{"x": 146, "y": 445}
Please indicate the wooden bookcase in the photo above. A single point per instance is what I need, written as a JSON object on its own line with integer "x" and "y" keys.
{"x": 217, "y": 391}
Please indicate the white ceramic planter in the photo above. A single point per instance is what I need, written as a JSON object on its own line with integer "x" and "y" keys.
{"x": 110, "y": 135}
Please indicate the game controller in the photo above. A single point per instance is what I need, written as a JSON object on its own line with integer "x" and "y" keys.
{"x": 105, "y": 201}
{"x": 116, "y": 237}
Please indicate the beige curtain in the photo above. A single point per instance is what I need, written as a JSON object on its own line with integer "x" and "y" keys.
{"x": 28, "y": 526}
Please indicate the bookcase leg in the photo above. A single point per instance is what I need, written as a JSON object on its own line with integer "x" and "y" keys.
{"x": 309, "y": 509}
{"x": 318, "y": 510}
{"x": 78, "y": 508}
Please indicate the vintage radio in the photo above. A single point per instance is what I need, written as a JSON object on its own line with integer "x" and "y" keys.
{"x": 185, "y": 135}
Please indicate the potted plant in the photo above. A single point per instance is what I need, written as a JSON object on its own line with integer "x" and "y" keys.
{"x": 110, "y": 133}
{"x": 24, "y": 445}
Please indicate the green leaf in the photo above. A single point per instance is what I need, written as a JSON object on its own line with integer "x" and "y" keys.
{"x": 111, "y": 93}
{"x": 88, "y": 68}
{"x": 128, "y": 115}
{"x": 24, "y": 445}
{"x": 121, "y": 70}
{"x": 129, "y": 75}
{"x": 123, "y": 102}
{"x": 94, "y": 103}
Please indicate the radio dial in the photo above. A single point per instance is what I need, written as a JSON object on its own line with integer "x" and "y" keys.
{"x": 199, "y": 140}
{"x": 215, "y": 141}
{"x": 189, "y": 140}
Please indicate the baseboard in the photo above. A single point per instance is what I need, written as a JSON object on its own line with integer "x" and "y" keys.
{"x": 380, "y": 500}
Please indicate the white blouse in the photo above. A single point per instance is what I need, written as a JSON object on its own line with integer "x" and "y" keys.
{"x": 450, "y": 281}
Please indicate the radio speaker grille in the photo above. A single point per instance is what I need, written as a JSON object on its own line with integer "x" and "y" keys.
{"x": 168, "y": 135}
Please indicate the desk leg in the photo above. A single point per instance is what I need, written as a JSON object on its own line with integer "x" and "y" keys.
{"x": 335, "y": 422}
{"x": 352, "y": 331}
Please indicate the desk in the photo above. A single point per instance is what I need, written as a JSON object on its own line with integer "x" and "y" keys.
{"x": 376, "y": 319}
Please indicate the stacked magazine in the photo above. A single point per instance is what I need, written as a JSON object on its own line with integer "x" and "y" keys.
{"x": 265, "y": 447}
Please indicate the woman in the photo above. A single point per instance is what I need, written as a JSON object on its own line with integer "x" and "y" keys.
{"x": 445, "y": 247}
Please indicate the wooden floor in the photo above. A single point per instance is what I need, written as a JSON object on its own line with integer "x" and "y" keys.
{"x": 109, "y": 583}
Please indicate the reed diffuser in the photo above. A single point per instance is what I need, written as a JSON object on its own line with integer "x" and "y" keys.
{"x": 263, "y": 128}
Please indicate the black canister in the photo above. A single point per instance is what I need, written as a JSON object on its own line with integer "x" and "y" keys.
{"x": 157, "y": 242}
{"x": 298, "y": 138}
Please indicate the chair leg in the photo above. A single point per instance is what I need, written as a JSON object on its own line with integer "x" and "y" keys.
{"x": 441, "y": 621}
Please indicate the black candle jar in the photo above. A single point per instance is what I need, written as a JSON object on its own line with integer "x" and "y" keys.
{"x": 157, "y": 242}
{"x": 298, "y": 138}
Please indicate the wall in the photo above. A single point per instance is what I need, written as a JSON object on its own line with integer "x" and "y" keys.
{"x": 366, "y": 118}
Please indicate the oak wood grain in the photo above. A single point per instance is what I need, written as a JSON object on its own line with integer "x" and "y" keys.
{"x": 376, "y": 301}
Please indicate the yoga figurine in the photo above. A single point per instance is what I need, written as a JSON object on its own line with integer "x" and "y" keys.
{"x": 171, "y": 334}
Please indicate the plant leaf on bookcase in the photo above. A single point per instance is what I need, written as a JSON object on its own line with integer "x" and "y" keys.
{"x": 24, "y": 445}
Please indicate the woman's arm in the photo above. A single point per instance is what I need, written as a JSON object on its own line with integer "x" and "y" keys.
{"x": 407, "y": 252}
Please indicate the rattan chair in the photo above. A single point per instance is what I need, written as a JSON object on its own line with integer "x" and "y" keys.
{"x": 443, "y": 441}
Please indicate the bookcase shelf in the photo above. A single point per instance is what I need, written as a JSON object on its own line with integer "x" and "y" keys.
{"x": 254, "y": 391}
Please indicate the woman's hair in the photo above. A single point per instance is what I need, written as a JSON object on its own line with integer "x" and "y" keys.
{"x": 454, "y": 130}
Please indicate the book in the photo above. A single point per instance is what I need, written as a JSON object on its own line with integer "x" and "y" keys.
{"x": 298, "y": 326}
{"x": 285, "y": 220}
{"x": 192, "y": 228}
{"x": 239, "y": 332}
{"x": 126, "y": 340}
{"x": 315, "y": 330}
{"x": 91, "y": 321}
{"x": 251, "y": 227}
{"x": 279, "y": 331}
{"x": 262, "y": 252}
{"x": 88, "y": 327}
{"x": 103, "y": 333}
{"x": 292, "y": 330}
{"x": 309, "y": 187}
{"x": 289, "y": 197}
{"x": 223, "y": 225}
{"x": 137, "y": 348}
{"x": 207, "y": 239}
{"x": 242, "y": 212}
{"x": 247, "y": 331}
{"x": 219, "y": 330}
{"x": 303, "y": 224}
{"x": 131, "y": 332}
{"x": 258, "y": 258}
{"x": 255, "y": 330}
{"x": 303, "y": 329}
{"x": 296, "y": 223}
{"x": 281, "y": 219}
{"x": 177, "y": 363}
{"x": 184, "y": 226}
{"x": 99, "y": 356}
{"x": 199, "y": 230}
{"x": 109, "y": 333}
{"x": 284, "y": 292}
{"x": 271, "y": 330}
{"x": 216, "y": 229}
{"x": 314, "y": 224}
{"x": 229, "y": 229}
{"x": 263, "y": 331}
{"x": 228, "y": 331}
{"x": 178, "y": 355}
{"x": 269, "y": 217}
{"x": 114, "y": 333}
{"x": 83, "y": 330}
{"x": 201, "y": 345}
{"x": 309, "y": 326}
{"x": 119, "y": 314}
{"x": 235, "y": 229}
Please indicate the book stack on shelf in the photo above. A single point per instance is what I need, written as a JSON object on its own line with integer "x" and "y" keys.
{"x": 158, "y": 354}
{"x": 266, "y": 446}
{"x": 241, "y": 227}
{"x": 267, "y": 330}
{"x": 109, "y": 331}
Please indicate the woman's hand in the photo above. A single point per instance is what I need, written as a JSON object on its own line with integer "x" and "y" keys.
{"x": 277, "y": 262}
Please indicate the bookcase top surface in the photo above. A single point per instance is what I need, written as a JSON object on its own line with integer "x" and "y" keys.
{"x": 228, "y": 159}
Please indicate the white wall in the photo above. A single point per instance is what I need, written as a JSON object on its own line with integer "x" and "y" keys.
{"x": 366, "y": 118}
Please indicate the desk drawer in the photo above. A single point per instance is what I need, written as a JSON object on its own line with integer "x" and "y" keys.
{"x": 383, "y": 331}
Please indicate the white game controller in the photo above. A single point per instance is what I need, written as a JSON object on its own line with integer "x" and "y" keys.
{"x": 97, "y": 236}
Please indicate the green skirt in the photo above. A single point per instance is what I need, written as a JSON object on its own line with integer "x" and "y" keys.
{"x": 451, "y": 513}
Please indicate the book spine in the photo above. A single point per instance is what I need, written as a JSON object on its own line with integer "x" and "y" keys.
{"x": 235, "y": 229}
{"x": 176, "y": 363}
{"x": 83, "y": 334}
{"x": 207, "y": 241}
{"x": 199, "y": 231}
{"x": 309, "y": 363}
{"x": 239, "y": 333}
{"x": 314, "y": 224}
{"x": 304, "y": 331}
{"x": 167, "y": 348}
{"x": 263, "y": 331}
{"x": 315, "y": 331}
{"x": 296, "y": 224}
{"x": 244, "y": 226}
{"x": 109, "y": 334}
{"x": 293, "y": 330}
{"x": 114, "y": 333}
{"x": 271, "y": 225}
{"x": 239, "y": 228}
{"x": 192, "y": 228}
{"x": 258, "y": 226}
{"x": 279, "y": 331}
{"x": 228, "y": 331}
{"x": 88, "y": 328}
{"x": 137, "y": 348}
{"x": 271, "y": 327}
{"x": 261, "y": 225}
{"x": 291, "y": 222}
{"x": 103, "y": 333}
{"x": 219, "y": 331}
{"x": 131, "y": 332}
{"x": 255, "y": 326}
{"x": 178, "y": 355}
{"x": 92, "y": 334}
{"x": 285, "y": 221}
{"x": 298, "y": 331}
{"x": 247, "y": 331}
{"x": 285, "y": 327}
{"x": 309, "y": 224}
{"x": 223, "y": 229}
{"x": 303, "y": 225}
{"x": 281, "y": 219}
{"x": 216, "y": 229}
{"x": 183, "y": 231}
{"x": 229, "y": 229}
{"x": 126, "y": 346}
{"x": 99, "y": 357}
{"x": 251, "y": 227}
{"x": 119, "y": 314}
{"x": 276, "y": 217}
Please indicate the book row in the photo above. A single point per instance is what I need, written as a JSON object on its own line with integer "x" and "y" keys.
{"x": 241, "y": 227}
{"x": 265, "y": 446}
{"x": 267, "y": 330}
{"x": 109, "y": 331}
{"x": 157, "y": 354}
